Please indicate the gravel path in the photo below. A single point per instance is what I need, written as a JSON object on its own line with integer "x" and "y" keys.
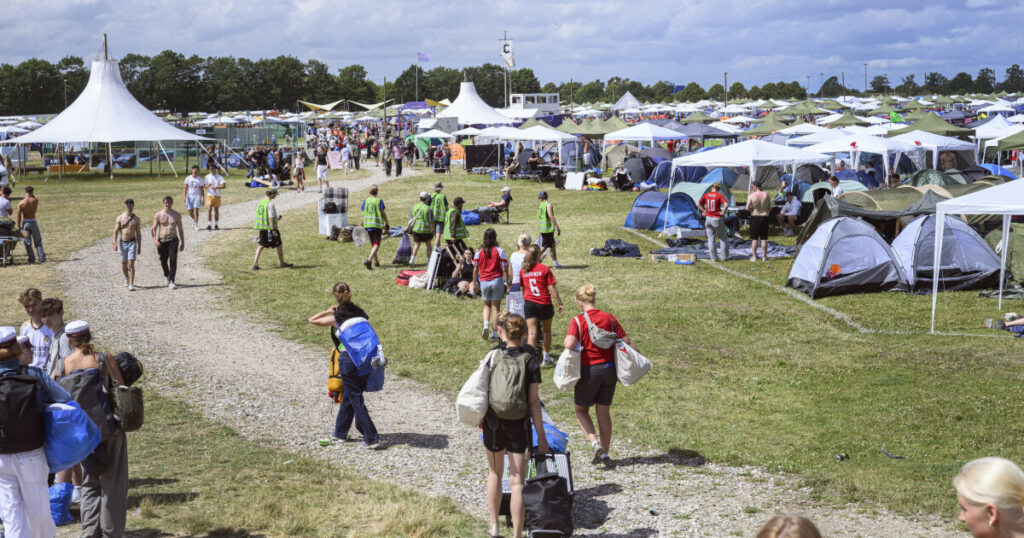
{"x": 196, "y": 350}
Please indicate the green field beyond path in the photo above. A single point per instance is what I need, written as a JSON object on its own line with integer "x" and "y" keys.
{"x": 744, "y": 374}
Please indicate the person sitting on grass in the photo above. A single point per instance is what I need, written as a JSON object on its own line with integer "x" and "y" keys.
{"x": 790, "y": 212}
{"x": 461, "y": 282}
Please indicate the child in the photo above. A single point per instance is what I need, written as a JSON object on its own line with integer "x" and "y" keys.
{"x": 300, "y": 173}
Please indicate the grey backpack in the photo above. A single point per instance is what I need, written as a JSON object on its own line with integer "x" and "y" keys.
{"x": 507, "y": 394}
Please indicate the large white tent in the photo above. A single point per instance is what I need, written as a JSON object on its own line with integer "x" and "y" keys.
{"x": 858, "y": 143}
{"x": 627, "y": 101}
{"x": 643, "y": 132}
{"x": 1006, "y": 200}
{"x": 434, "y": 133}
{"x": 470, "y": 109}
{"x": 750, "y": 153}
{"x": 934, "y": 143}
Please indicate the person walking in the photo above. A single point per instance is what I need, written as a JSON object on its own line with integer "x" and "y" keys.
{"x": 539, "y": 289}
{"x": 321, "y": 168}
{"x": 509, "y": 432}
{"x": 266, "y": 225}
{"x": 193, "y": 195}
{"x": 127, "y": 242}
{"x": 346, "y": 157}
{"x": 25, "y": 510}
{"x": 169, "y": 238}
{"x": 27, "y": 223}
{"x": 214, "y": 183}
{"x": 385, "y": 157}
{"x": 514, "y": 303}
{"x": 547, "y": 225}
{"x": 490, "y": 269}
{"x": 759, "y": 206}
{"x": 398, "y": 152}
{"x": 454, "y": 227}
{"x": 712, "y": 206}
{"x": 353, "y": 379}
{"x": 596, "y": 386}
{"x": 375, "y": 221}
{"x": 299, "y": 172}
{"x": 420, "y": 226}
{"x": 104, "y": 494}
{"x": 439, "y": 207}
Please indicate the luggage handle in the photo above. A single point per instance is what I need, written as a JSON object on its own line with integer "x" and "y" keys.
{"x": 544, "y": 459}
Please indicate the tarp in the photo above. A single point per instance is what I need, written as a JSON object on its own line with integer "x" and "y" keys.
{"x": 644, "y": 132}
{"x": 928, "y": 176}
{"x": 846, "y": 186}
{"x": 627, "y": 101}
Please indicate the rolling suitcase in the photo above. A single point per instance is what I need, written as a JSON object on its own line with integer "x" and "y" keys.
{"x": 558, "y": 464}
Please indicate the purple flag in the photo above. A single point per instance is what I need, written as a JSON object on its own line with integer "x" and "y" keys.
{"x": 420, "y": 57}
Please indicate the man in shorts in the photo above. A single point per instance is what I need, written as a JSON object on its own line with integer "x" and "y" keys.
{"x": 127, "y": 241}
{"x": 214, "y": 183}
{"x": 438, "y": 208}
{"x": 759, "y": 206}
{"x": 266, "y": 224}
{"x": 193, "y": 195}
{"x": 169, "y": 238}
{"x": 547, "y": 225}
{"x": 321, "y": 168}
{"x": 375, "y": 221}
{"x": 420, "y": 225}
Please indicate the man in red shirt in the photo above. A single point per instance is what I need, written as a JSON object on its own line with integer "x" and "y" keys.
{"x": 713, "y": 205}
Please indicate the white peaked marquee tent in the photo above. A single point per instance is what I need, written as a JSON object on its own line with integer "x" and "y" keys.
{"x": 750, "y": 153}
{"x": 106, "y": 112}
{"x": 470, "y": 109}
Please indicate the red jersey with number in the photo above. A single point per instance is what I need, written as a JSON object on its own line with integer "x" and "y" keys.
{"x": 714, "y": 203}
{"x": 535, "y": 284}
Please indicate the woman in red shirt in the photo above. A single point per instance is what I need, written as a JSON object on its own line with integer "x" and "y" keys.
{"x": 490, "y": 269}
{"x": 538, "y": 283}
{"x": 597, "y": 373}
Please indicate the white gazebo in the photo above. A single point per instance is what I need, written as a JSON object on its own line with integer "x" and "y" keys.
{"x": 642, "y": 132}
{"x": 750, "y": 153}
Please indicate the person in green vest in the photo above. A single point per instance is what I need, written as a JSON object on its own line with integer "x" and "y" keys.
{"x": 375, "y": 221}
{"x": 420, "y": 224}
{"x": 454, "y": 228}
{"x": 548, "y": 226}
{"x": 266, "y": 224}
{"x": 438, "y": 208}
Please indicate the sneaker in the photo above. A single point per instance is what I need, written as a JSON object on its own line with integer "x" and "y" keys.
{"x": 167, "y": 281}
{"x": 287, "y": 265}
{"x": 369, "y": 266}
{"x": 255, "y": 268}
{"x": 548, "y": 363}
{"x": 598, "y": 452}
{"x": 606, "y": 461}
{"x": 126, "y": 281}
{"x": 557, "y": 265}
{"x": 336, "y": 437}
{"x": 76, "y": 495}
{"x": 131, "y": 287}
{"x": 494, "y": 337}
{"x": 753, "y": 258}
{"x": 209, "y": 227}
{"x": 376, "y": 445}
{"x": 487, "y": 333}
{"x": 172, "y": 285}
{"x": 216, "y": 226}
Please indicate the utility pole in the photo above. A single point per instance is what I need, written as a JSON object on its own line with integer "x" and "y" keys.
{"x": 504, "y": 64}
{"x": 865, "y": 77}
{"x": 807, "y": 88}
{"x": 65, "y": 93}
{"x": 571, "y": 104}
{"x": 843, "y": 75}
{"x": 725, "y": 79}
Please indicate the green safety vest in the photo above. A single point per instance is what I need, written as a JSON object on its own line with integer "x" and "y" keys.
{"x": 543, "y": 221}
{"x": 456, "y": 229}
{"x": 420, "y": 218}
{"x": 371, "y": 214}
{"x": 262, "y": 218}
{"x": 437, "y": 204}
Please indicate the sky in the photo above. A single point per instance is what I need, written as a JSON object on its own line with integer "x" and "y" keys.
{"x": 755, "y": 41}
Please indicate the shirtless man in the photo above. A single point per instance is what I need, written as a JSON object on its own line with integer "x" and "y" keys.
{"x": 169, "y": 238}
{"x": 126, "y": 241}
{"x": 27, "y": 222}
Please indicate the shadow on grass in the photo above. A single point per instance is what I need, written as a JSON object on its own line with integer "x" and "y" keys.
{"x": 231, "y": 532}
{"x": 675, "y": 456}
{"x": 141, "y": 482}
{"x": 147, "y": 533}
{"x": 589, "y": 511}
{"x": 162, "y": 498}
{"x": 572, "y": 267}
{"x": 436, "y": 441}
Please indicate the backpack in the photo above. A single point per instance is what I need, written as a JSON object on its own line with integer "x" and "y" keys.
{"x": 507, "y": 395}
{"x": 131, "y": 368}
{"x": 21, "y": 420}
{"x": 89, "y": 388}
{"x": 128, "y": 406}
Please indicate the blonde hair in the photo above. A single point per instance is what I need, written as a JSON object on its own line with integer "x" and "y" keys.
{"x": 532, "y": 258}
{"x": 515, "y": 327}
{"x": 83, "y": 342}
{"x": 995, "y": 481}
{"x": 11, "y": 351}
{"x": 524, "y": 240}
{"x": 30, "y": 296}
{"x": 586, "y": 294}
{"x": 342, "y": 293}
{"x": 789, "y": 526}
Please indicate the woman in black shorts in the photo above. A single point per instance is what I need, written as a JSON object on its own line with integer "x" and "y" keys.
{"x": 596, "y": 386}
{"x": 538, "y": 283}
{"x": 513, "y": 436}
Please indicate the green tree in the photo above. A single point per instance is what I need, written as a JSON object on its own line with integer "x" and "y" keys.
{"x": 489, "y": 80}
{"x": 737, "y": 91}
{"x": 406, "y": 84}
{"x": 1013, "y": 79}
{"x": 135, "y": 74}
{"x": 754, "y": 92}
{"x": 591, "y": 92}
{"x": 934, "y": 82}
{"x": 353, "y": 84}
{"x": 692, "y": 93}
{"x": 549, "y": 87}
{"x": 908, "y": 86}
{"x": 616, "y": 87}
{"x": 879, "y": 83}
{"x": 569, "y": 92}
{"x": 74, "y": 75}
{"x": 319, "y": 85}
{"x": 661, "y": 91}
{"x": 831, "y": 88}
{"x": 39, "y": 87}
{"x": 716, "y": 92}
{"x": 442, "y": 83}
{"x": 960, "y": 83}
{"x": 986, "y": 81}
{"x": 523, "y": 81}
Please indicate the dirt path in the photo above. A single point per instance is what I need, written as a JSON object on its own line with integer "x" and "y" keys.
{"x": 216, "y": 360}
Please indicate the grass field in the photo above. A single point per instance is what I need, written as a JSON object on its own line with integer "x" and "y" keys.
{"x": 744, "y": 374}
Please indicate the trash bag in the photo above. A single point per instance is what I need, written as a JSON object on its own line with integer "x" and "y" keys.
{"x": 60, "y": 503}
{"x": 70, "y": 435}
{"x": 404, "y": 251}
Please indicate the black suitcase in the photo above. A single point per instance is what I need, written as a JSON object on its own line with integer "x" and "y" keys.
{"x": 562, "y": 464}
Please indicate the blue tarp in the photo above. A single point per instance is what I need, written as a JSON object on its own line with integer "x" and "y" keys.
{"x": 998, "y": 170}
{"x": 725, "y": 176}
{"x": 864, "y": 178}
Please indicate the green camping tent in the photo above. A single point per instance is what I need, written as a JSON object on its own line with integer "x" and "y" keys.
{"x": 803, "y": 108}
{"x": 569, "y": 127}
{"x": 882, "y": 110}
{"x": 1011, "y": 142}
{"x": 697, "y": 190}
{"x": 848, "y": 120}
{"x": 769, "y": 124}
{"x": 697, "y": 116}
{"x": 534, "y": 121}
{"x": 913, "y": 105}
{"x": 928, "y": 176}
{"x": 932, "y": 123}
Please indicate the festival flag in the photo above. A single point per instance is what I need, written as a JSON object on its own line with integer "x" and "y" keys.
{"x": 420, "y": 57}
{"x": 895, "y": 118}
{"x": 508, "y": 54}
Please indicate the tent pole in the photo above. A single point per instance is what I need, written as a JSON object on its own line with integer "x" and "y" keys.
{"x": 169, "y": 163}
{"x": 212, "y": 158}
{"x": 150, "y": 158}
{"x": 110, "y": 159}
{"x": 1002, "y": 265}
{"x": 60, "y": 163}
{"x": 186, "y": 157}
{"x": 940, "y": 224}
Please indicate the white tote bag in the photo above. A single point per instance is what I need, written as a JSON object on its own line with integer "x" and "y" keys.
{"x": 630, "y": 365}
{"x": 471, "y": 403}
{"x": 567, "y": 370}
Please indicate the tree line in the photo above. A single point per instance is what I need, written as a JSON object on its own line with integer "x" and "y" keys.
{"x": 175, "y": 82}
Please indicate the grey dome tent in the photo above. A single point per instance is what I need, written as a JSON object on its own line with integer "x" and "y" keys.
{"x": 967, "y": 262}
{"x": 845, "y": 255}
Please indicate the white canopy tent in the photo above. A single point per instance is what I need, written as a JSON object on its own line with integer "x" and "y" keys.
{"x": 642, "y": 132}
{"x": 750, "y": 153}
{"x": 817, "y": 138}
{"x": 433, "y": 133}
{"x": 858, "y": 143}
{"x": 470, "y": 109}
{"x": 468, "y": 131}
{"x": 1006, "y": 200}
{"x": 106, "y": 112}
{"x": 934, "y": 143}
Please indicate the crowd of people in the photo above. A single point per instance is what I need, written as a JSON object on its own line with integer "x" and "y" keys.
{"x": 47, "y": 361}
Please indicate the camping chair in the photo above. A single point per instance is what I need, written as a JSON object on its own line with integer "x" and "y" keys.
{"x": 505, "y": 211}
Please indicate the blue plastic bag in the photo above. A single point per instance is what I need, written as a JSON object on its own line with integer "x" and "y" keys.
{"x": 470, "y": 218}
{"x": 60, "y": 503}
{"x": 557, "y": 439}
{"x": 70, "y": 435}
{"x": 375, "y": 382}
{"x": 361, "y": 343}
